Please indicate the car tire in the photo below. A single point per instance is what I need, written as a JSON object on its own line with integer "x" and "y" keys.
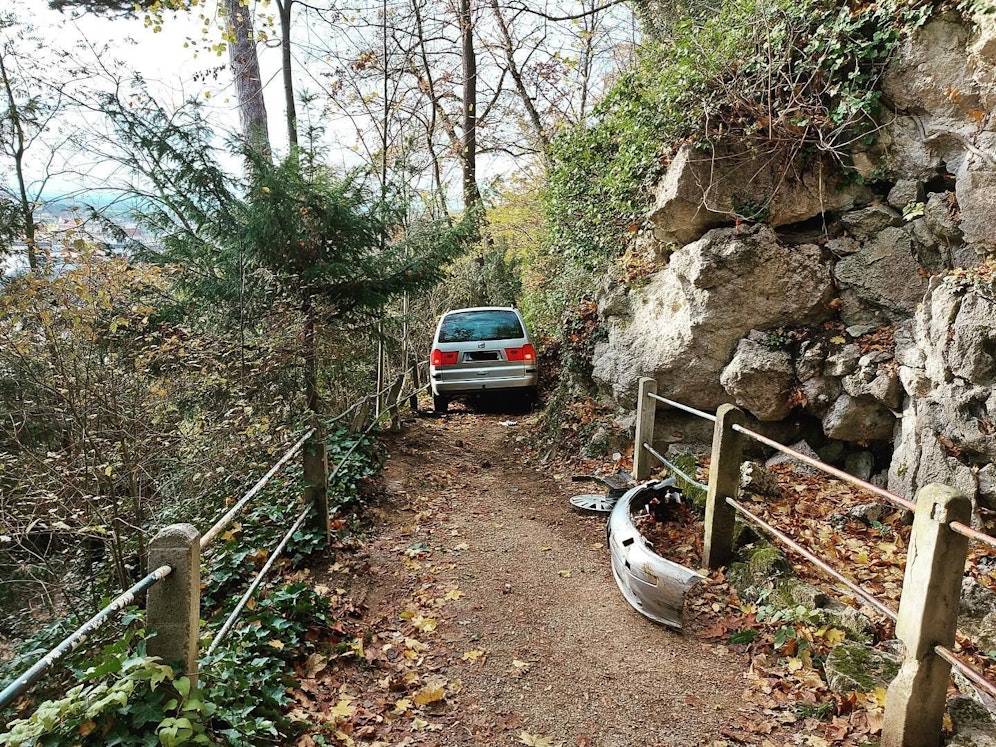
{"x": 439, "y": 403}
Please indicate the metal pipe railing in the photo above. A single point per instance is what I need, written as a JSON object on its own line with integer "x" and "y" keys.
{"x": 230, "y": 622}
{"x": 973, "y": 534}
{"x": 79, "y": 636}
{"x": 823, "y": 566}
{"x": 970, "y": 674}
{"x": 686, "y": 408}
{"x": 225, "y": 520}
{"x": 824, "y": 467}
{"x": 674, "y": 468}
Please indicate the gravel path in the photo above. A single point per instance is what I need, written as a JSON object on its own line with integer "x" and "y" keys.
{"x": 477, "y": 554}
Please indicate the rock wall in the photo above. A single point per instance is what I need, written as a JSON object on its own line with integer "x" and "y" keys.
{"x": 833, "y": 309}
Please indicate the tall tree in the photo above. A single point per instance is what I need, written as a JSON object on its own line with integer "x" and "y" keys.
{"x": 241, "y": 40}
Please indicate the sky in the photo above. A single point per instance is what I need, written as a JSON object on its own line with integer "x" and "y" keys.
{"x": 175, "y": 72}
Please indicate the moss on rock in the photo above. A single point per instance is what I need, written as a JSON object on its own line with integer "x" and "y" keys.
{"x": 856, "y": 666}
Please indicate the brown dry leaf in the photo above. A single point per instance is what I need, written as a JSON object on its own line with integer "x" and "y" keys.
{"x": 315, "y": 664}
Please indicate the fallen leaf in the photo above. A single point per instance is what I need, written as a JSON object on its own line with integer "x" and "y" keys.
{"x": 276, "y": 644}
{"x": 535, "y": 740}
{"x": 429, "y": 694}
{"x": 564, "y": 574}
{"x": 424, "y": 624}
{"x": 473, "y": 655}
{"x": 314, "y": 664}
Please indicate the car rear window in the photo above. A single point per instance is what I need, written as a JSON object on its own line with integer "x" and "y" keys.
{"x": 494, "y": 324}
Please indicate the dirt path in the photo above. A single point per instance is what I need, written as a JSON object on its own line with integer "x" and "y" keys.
{"x": 494, "y": 616}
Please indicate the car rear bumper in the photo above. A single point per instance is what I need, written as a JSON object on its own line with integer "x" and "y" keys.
{"x": 476, "y": 381}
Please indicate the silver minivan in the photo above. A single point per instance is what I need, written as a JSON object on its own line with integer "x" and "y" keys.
{"x": 479, "y": 350}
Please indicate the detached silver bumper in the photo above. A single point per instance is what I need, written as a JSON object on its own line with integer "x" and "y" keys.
{"x": 656, "y": 587}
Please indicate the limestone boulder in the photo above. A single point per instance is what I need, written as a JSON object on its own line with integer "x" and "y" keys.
{"x": 880, "y": 283}
{"x": 946, "y": 433}
{"x": 695, "y": 195}
{"x": 683, "y": 326}
{"x": 820, "y": 392}
{"x": 857, "y": 666}
{"x": 759, "y": 379}
{"x": 867, "y": 223}
{"x": 859, "y": 419}
{"x": 941, "y": 80}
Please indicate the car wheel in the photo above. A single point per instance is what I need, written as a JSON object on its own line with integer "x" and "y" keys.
{"x": 439, "y": 403}
{"x": 531, "y": 398}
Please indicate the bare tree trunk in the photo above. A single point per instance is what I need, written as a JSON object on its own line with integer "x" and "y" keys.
{"x": 284, "y": 7}
{"x": 18, "y": 147}
{"x": 471, "y": 194}
{"x": 248, "y": 80}
{"x": 520, "y": 87}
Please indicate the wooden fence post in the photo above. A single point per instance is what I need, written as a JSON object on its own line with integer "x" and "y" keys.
{"x": 724, "y": 482}
{"x": 316, "y": 478}
{"x": 646, "y": 410}
{"x": 359, "y": 421}
{"x": 928, "y": 616}
{"x": 174, "y": 604}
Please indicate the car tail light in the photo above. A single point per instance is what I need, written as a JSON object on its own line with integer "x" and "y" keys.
{"x": 443, "y": 358}
{"x": 526, "y": 353}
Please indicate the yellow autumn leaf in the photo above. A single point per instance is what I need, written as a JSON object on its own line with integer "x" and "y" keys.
{"x": 473, "y": 655}
{"x": 419, "y": 723}
{"x": 402, "y": 706}
{"x": 564, "y": 574}
{"x": 837, "y": 340}
{"x": 535, "y": 740}
{"x": 834, "y": 636}
{"x": 453, "y": 595}
{"x": 429, "y": 694}
{"x": 424, "y": 624}
{"x": 343, "y": 710}
{"x": 277, "y": 644}
{"x": 794, "y": 664}
{"x": 462, "y": 546}
{"x": 877, "y": 696}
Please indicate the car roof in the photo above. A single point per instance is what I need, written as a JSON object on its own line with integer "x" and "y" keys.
{"x": 481, "y": 308}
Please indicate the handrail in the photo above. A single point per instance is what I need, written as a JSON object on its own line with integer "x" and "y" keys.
{"x": 225, "y": 520}
{"x": 680, "y": 406}
{"x": 644, "y": 433}
{"x": 789, "y": 542}
{"x": 674, "y": 468}
{"x": 967, "y": 531}
{"x": 823, "y": 466}
{"x": 73, "y": 641}
{"x": 79, "y": 636}
{"x": 230, "y": 622}
{"x": 974, "y": 677}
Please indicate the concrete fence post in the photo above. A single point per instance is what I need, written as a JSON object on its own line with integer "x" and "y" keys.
{"x": 316, "y": 479}
{"x": 724, "y": 482}
{"x": 928, "y": 616}
{"x": 646, "y": 411}
{"x": 174, "y": 604}
{"x": 394, "y": 402}
{"x": 413, "y": 399}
